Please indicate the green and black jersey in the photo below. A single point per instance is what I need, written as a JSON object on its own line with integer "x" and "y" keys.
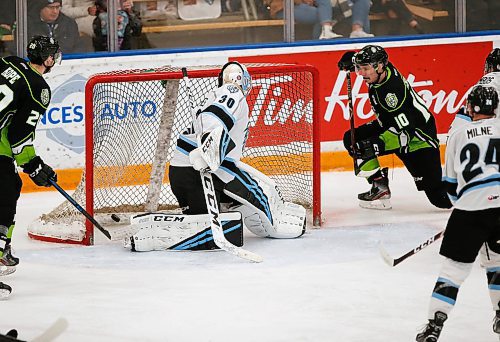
{"x": 24, "y": 97}
{"x": 408, "y": 124}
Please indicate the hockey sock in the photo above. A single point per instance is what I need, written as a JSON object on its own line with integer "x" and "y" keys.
{"x": 3, "y": 239}
{"x": 10, "y": 231}
{"x": 493, "y": 275}
{"x": 448, "y": 284}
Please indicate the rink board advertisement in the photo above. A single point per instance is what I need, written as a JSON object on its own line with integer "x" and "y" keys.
{"x": 441, "y": 73}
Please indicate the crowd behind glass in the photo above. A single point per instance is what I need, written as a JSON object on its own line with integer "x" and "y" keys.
{"x": 82, "y": 26}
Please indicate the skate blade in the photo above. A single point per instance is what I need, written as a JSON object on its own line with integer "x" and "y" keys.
{"x": 380, "y": 204}
{"x": 6, "y": 270}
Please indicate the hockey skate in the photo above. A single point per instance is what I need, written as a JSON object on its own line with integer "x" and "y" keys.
{"x": 5, "y": 290}
{"x": 496, "y": 323}
{"x": 8, "y": 262}
{"x": 379, "y": 195}
{"x": 433, "y": 328}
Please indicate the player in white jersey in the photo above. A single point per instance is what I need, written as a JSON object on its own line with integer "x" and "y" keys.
{"x": 490, "y": 78}
{"x": 472, "y": 177}
{"x": 222, "y": 124}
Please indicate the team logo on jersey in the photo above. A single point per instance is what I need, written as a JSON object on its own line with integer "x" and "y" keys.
{"x": 45, "y": 96}
{"x": 392, "y": 100}
{"x": 232, "y": 89}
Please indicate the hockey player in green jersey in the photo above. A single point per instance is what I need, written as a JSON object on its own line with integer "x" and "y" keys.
{"x": 403, "y": 126}
{"x": 24, "y": 97}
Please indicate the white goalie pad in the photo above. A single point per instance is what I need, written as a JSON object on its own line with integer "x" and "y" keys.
{"x": 289, "y": 221}
{"x": 159, "y": 231}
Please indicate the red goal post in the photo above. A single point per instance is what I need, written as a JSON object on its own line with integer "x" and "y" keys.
{"x": 133, "y": 119}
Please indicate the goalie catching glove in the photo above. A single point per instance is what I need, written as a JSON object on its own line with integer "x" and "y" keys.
{"x": 39, "y": 172}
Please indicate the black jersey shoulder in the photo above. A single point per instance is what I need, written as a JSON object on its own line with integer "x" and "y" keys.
{"x": 31, "y": 85}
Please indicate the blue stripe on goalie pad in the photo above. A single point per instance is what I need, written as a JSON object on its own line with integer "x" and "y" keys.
{"x": 233, "y": 230}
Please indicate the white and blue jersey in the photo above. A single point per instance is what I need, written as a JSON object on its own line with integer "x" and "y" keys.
{"x": 472, "y": 163}
{"x": 227, "y": 107}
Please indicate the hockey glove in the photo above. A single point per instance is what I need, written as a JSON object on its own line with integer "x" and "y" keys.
{"x": 346, "y": 63}
{"x": 39, "y": 172}
{"x": 197, "y": 160}
{"x": 369, "y": 148}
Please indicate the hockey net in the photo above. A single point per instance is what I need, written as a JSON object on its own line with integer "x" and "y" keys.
{"x": 132, "y": 122}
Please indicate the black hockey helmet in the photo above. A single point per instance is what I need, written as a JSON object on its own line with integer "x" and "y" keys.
{"x": 492, "y": 62}
{"x": 371, "y": 54}
{"x": 42, "y": 47}
{"x": 483, "y": 100}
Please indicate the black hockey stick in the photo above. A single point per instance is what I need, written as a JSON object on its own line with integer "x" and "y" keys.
{"x": 351, "y": 121}
{"x": 211, "y": 198}
{"x": 79, "y": 208}
{"x": 394, "y": 262}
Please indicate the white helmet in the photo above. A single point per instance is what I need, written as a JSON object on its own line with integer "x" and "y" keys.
{"x": 235, "y": 73}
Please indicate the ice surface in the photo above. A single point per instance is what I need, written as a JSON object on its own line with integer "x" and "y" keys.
{"x": 331, "y": 285}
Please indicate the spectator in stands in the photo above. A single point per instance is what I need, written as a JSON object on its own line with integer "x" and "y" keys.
{"x": 45, "y": 18}
{"x": 83, "y": 11}
{"x": 7, "y": 15}
{"x": 315, "y": 12}
{"x": 397, "y": 11}
{"x": 159, "y": 10}
{"x": 129, "y": 25}
{"x": 7, "y": 23}
{"x": 360, "y": 19}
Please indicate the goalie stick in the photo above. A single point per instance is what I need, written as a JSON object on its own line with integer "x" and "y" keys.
{"x": 396, "y": 261}
{"x": 211, "y": 198}
{"x": 79, "y": 208}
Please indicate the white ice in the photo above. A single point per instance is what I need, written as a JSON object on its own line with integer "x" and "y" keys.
{"x": 330, "y": 285}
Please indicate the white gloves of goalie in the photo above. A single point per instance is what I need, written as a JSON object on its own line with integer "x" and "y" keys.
{"x": 196, "y": 159}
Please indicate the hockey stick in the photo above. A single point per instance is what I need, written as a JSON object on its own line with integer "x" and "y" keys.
{"x": 52, "y": 332}
{"x": 394, "y": 262}
{"x": 351, "y": 121}
{"x": 79, "y": 208}
{"x": 215, "y": 224}
{"x": 211, "y": 198}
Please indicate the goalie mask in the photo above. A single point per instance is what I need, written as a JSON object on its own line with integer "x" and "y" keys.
{"x": 483, "y": 100}
{"x": 42, "y": 47}
{"x": 492, "y": 62}
{"x": 235, "y": 73}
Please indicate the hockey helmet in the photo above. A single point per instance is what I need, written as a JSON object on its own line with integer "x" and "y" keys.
{"x": 234, "y": 72}
{"x": 42, "y": 47}
{"x": 483, "y": 100}
{"x": 371, "y": 54}
{"x": 492, "y": 62}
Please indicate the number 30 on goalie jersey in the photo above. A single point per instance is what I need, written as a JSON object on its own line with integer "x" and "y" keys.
{"x": 223, "y": 117}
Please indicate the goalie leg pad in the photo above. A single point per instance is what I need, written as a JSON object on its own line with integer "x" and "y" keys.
{"x": 289, "y": 221}
{"x": 263, "y": 210}
{"x": 158, "y": 231}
